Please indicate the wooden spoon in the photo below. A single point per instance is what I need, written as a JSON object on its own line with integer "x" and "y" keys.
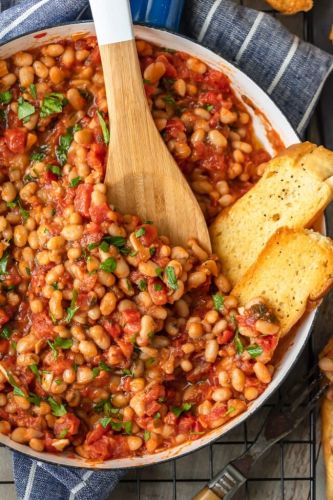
{"x": 141, "y": 175}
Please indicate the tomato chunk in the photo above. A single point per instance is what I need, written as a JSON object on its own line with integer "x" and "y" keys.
{"x": 16, "y": 139}
{"x": 66, "y": 426}
{"x": 82, "y": 200}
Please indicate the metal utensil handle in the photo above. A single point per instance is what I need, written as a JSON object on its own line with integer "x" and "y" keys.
{"x": 224, "y": 485}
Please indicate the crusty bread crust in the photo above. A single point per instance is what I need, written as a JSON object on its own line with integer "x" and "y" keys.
{"x": 295, "y": 267}
{"x": 296, "y": 187}
{"x": 326, "y": 436}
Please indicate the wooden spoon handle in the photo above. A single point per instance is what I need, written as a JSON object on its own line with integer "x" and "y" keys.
{"x": 113, "y": 21}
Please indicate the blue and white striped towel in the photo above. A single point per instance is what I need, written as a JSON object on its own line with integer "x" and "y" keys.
{"x": 291, "y": 71}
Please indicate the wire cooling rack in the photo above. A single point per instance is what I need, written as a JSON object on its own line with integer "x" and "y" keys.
{"x": 289, "y": 470}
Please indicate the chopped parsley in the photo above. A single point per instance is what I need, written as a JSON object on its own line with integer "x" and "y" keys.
{"x": 55, "y": 169}
{"x": 104, "y": 366}
{"x": 150, "y": 362}
{"x": 33, "y": 90}
{"x": 104, "y": 127}
{"x": 158, "y": 287}
{"x": 105, "y": 421}
{"x": 4, "y": 263}
{"x": 171, "y": 278}
{"x": 168, "y": 99}
{"x": 55, "y": 285}
{"x": 75, "y": 182}
{"x": 209, "y": 107}
{"x": 64, "y": 144}
{"x": 146, "y": 435}
{"x": 106, "y": 407}
{"x": 25, "y": 109}
{"x": 53, "y": 349}
{"x": 52, "y": 103}
{"x": 140, "y": 232}
{"x": 182, "y": 409}
{"x": 104, "y": 246}
{"x": 58, "y": 410}
{"x": 62, "y": 434}
{"x": 17, "y": 390}
{"x": 127, "y": 372}
{"x": 24, "y": 214}
{"x": 218, "y": 301}
{"x": 63, "y": 343}
{"x": 6, "y": 333}
{"x": 109, "y": 265}
{"x": 34, "y": 399}
{"x": 35, "y": 371}
{"x": 238, "y": 343}
{"x": 142, "y": 285}
{"x": 39, "y": 154}
{"x": 73, "y": 308}
{"x": 159, "y": 272}
{"x": 128, "y": 427}
{"x": 147, "y": 82}
{"x": 6, "y": 97}
{"x": 231, "y": 409}
{"x": 254, "y": 350}
{"x": 97, "y": 369}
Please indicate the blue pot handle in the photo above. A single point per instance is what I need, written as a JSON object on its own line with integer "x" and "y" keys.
{"x": 164, "y": 13}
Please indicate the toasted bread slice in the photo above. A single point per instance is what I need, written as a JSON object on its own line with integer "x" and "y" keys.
{"x": 296, "y": 266}
{"x": 295, "y": 188}
{"x": 326, "y": 439}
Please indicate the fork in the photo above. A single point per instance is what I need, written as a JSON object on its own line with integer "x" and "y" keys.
{"x": 280, "y": 421}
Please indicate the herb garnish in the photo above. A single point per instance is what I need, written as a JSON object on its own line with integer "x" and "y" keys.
{"x": 231, "y": 409}
{"x": 109, "y": 265}
{"x": 179, "y": 410}
{"x": 54, "y": 169}
{"x": 238, "y": 343}
{"x": 254, "y": 350}
{"x": 33, "y": 90}
{"x": 52, "y": 103}
{"x": 171, "y": 277}
{"x": 58, "y": 410}
{"x": 25, "y": 109}
{"x": 4, "y": 262}
{"x": 63, "y": 433}
{"x": 6, "y": 97}
{"x": 64, "y": 144}
{"x": 105, "y": 130}
{"x": 142, "y": 285}
{"x": 218, "y": 300}
{"x": 140, "y": 232}
{"x": 40, "y": 153}
{"x": 35, "y": 371}
{"x": 17, "y": 390}
{"x": 146, "y": 435}
{"x": 6, "y": 333}
{"x": 75, "y": 182}
{"x": 34, "y": 399}
{"x": 73, "y": 308}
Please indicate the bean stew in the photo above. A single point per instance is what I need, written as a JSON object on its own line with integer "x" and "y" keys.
{"x": 114, "y": 342}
